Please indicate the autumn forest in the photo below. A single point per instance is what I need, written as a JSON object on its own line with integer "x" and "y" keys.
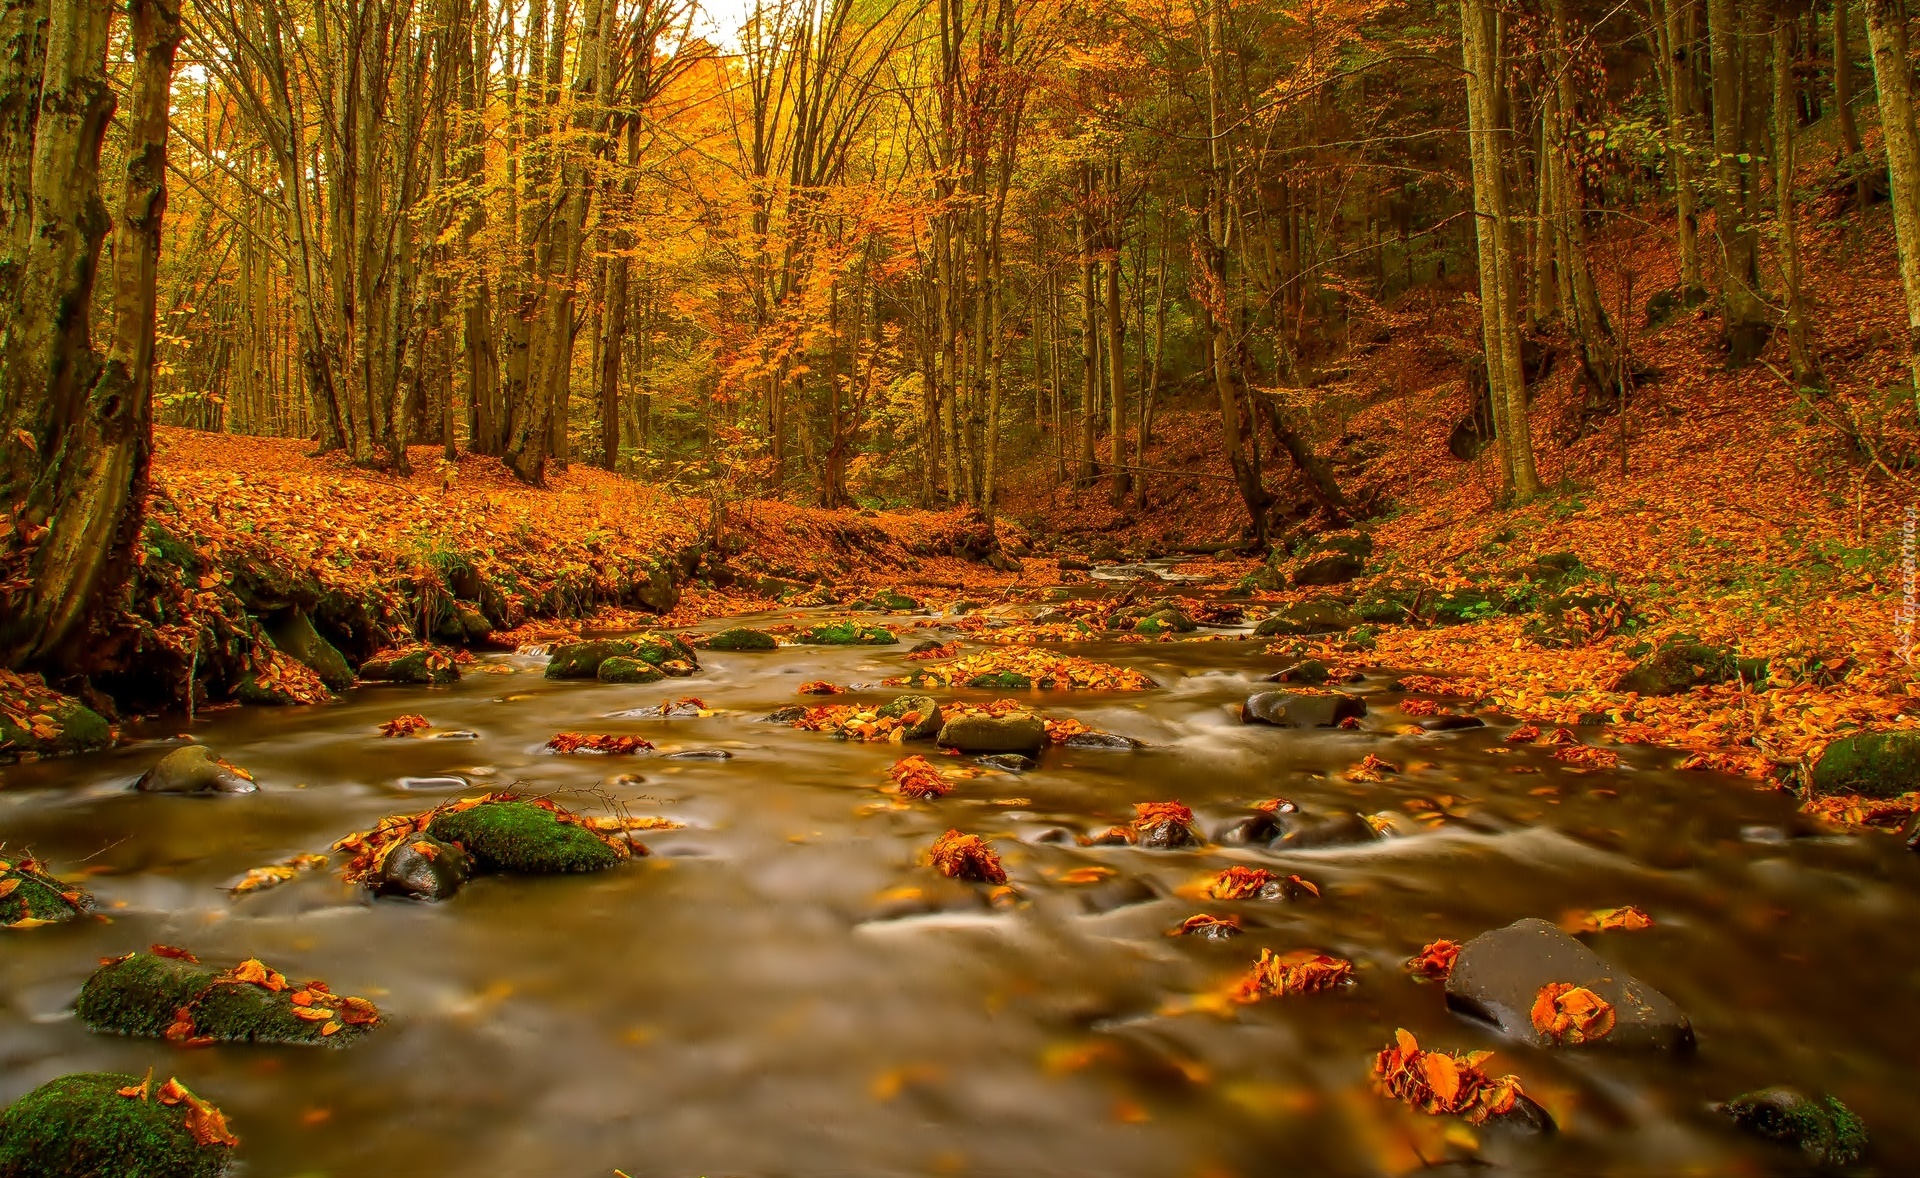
{"x": 1060, "y": 587}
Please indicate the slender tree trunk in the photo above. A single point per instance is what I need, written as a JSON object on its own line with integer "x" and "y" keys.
{"x": 1089, "y": 334}
{"x": 1785, "y": 129}
{"x": 1742, "y": 311}
{"x": 1116, "y": 354}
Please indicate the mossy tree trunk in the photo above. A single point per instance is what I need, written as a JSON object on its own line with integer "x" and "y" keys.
{"x": 77, "y": 421}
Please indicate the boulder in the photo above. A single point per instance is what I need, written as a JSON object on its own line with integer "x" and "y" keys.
{"x": 976, "y": 732}
{"x": 80, "y": 1125}
{"x": 1166, "y": 620}
{"x": 1500, "y": 973}
{"x": 742, "y": 638}
{"x": 581, "y": 660}
{"x": 424, "y": 868}
{"x": 294, "y": 634}
{"x": 1824, "y": 1130}
{"x": 1284, "y": 709}
{"x": 145, "y": 994}
{"x": 1168, "y": 835}
{"x": 1309, "y": 671}
{"x": 1109, "y": 742}
{"x": 193, "y": 769}
{"x": 846, "y": 634}
{"x": 785, "y": 715}
{"x": 519, "y": 838}
{"x": 64, "y": 725}
{"x": 1321, "y": 615}
{"x": 1108, "y": 895}
{"x": 1010, "y": 762}
{"x": 1256, "y": 829}
{"x": 1451, "y": 723}
{"x": 29, "y": 897}
{"x": 1872, "y": 764}
{"x": 1679, "y": 664}
{"x": 619, "y": 668}
{"x": 925, "y": 646}
{"x": 1342, "y": 828}
{"x": 925, "y": 711}
{"x": 1333, "y": 559}
{"x": 420, "y": 664}
{"x": 1074, "y": 564}
{"x": 462, "y": 625}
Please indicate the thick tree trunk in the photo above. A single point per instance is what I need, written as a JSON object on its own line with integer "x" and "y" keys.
{"x": 1743, "y": 313}
{"x": 76, "y": 470}
{"x": 1785, "y": 129}
{"x": 1893, "y": 76}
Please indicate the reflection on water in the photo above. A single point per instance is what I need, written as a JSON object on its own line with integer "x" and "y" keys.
{"x": 756, "y": 999}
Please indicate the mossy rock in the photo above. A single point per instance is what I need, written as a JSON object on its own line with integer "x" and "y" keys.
{"x": 76, "y": 728}
{"x": 1872, "y": 764}
{"x": 1389, "y": 603}
{"x": 294, "y": 634}
{"x": 254, "y": 693}
{"x": 422, "y": 664}
{"x": 519, "y": 838}
{"x": 1576, "y": 616}
{"x": 1166, "y": 620}
{"x": 34, "y": 896}
{"x": 846, "y": 634}
{"x": 79, "y": 1126}
{"x": 890, "y": 601}
{"x": 1333, "y": 559}
{"x": 742, "y": 638}
{"x": 1681, "y": 664}
{"x": 581, "y": 660}
{"x": 463, "y": 625}
{"x": 1015, "y": 732}
{"x": 925, "y": 706}
{"x": 194, "y": 769}
{"x": 141, "y": 995}
{"x": 1825, "y": 1130}
{"x": 1458, "y": 607}
{"x": 1007, "y": 680}
{"x": 1321, "y": 615}
{"x": 621, "y": 669}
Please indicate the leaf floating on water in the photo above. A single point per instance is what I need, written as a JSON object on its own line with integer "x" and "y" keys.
{"x": 598, "y": 742}
{"x": 405, "y": 725}
{"x": 1602, "y": 920}
{"x": 1854, "y": 810}
{"x": 1435, "y": 961}
{"x": 1452, "y": 1084}
{"x": 261, "y": 878}
{"x": 917, "y": 778}
{"x": 1586, "y": 756}
{"x": 1420, "y": 707}
{"x": 1302, "y": 971}
{"x": 966, "y": 856}
{"x": 175, "y": 954}
{"x": 604, "y": 824}
{"x": 1571, "y": 1014}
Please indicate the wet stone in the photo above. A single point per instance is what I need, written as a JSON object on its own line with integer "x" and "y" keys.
{"x": 1111, "y": 894}
{"x": 1343, "y": 828}
{"x": 742, "y": 638}
{"x": 1500, "y": 973}
{"x": 1104, "y": 742}
{"x": 1167, "y": 836}
{"x": 1011, "y": 762}
{"x": 1452, "y": 723}
{"x": 1015, "y": 732}
{"x": 1824, "y": 1130}
{"x": 785, "y": 715}
{"x": 1283, "y": 709}
{"x": 193, "y": 769}
{"x": 1310, "y": 671}
{"x": 925, "y": 707}
{"x": 433, "y": 783}
{"x": 700, "y": 755}
{"x": 424, "y": 868}
{"x": 1255, "y": 829}
{"x": 81, "y": 1125}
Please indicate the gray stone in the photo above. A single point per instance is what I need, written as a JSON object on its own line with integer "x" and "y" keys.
{"x": 1451, "y": 723}
{"x": 1287, "y": 710}
{"x": 1103, "y": 741}
{"x": 194, "y": 769}
{"x": 1256, "y": 829}
{"x": 424, "y": 868}
{"x": 1010, "y": 762}
{"x": 1499, "y": 974}
{"x": 1342, "y": 828}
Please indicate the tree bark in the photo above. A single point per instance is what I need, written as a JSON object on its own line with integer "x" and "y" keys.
{"x": 1785, "y": 129}
{"x": 1893, "y": 77}
{"x": 1743, "y": 314}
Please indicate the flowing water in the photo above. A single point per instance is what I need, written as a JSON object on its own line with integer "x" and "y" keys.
{"x": 755, "y": 998}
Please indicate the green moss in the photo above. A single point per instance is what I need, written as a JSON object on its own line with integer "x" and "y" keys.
{"x": 140, "y": 994}
{"x": 79, "y": 1126}
{"x": 522, "y": 839}
{"x": 1460, "y": 606}
{"x": 1680, "y": 664}
{"x": 621, "y": 669}
{"x": 420, "y": 665}
{"x": 742, "y": 638}
{"x": 1825, "y": 1130}
{"x": 581, "y": 660}
{"x": 1874, "y": 764}
{"x": 925, "y": 706}
{"x": 295, "y": 635}
{"x": 77, "y": 729}
{"x": 37, "y": 895}
{"x": 1322, "y": 615}
{"x": 1001, "y": 679}
{"x": 846, "y": 634}
{"x": 1165, "y": 621}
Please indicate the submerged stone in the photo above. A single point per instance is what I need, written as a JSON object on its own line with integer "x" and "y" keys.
{"x": 520, "y": 838}
{"x": 193, "y": 769}
{"x": 1825, "y": 1130}
{"x": 424, "y": 868}
{"x": 1110, "y": 742}
{"x": 1288, "y": 710}
{"x": 1342, "y": 828}
{"x": 1010, "y": 762}
{"x": 79, "y": 1126}
{"x": 1500, "y": 974}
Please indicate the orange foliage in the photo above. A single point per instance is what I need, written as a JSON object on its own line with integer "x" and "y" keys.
{"x": 1435, "y": 961}
{"x": 917, "y": 778}
{"x": 1439, "y": 1082}
{"x": 1302, "y": 971}
{"x": 966, "y": 856}
{"x": 1571, "y": 1014}
{"x": 405, "y": 725}
{"x": 598, "y": 742}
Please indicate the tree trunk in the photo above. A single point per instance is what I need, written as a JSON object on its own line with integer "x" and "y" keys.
{"x": 1785, "y": 128}
{"x": 1116, "y": 354}
{"x": 76, "y": 469}
{"x": 1743, "y": 313}
{"x": 1893, "y": 76}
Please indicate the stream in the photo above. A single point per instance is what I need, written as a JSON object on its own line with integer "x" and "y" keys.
{"x": 760, "y": 996}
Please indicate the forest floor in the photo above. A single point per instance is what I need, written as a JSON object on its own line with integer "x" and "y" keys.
{"x": 1724, "y": 507}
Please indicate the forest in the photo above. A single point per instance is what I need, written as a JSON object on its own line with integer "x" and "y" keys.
{"x": 1383, "y": 524}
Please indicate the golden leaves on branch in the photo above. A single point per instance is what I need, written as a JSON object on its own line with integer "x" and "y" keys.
{"x": 1571, "y": 1014}
{"x": 1443, "y": 1083}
